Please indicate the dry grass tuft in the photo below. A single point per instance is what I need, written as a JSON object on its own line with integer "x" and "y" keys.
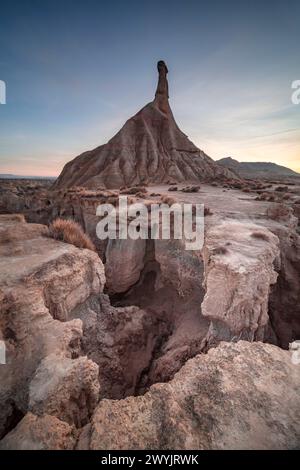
{"x": 71, "y": 232}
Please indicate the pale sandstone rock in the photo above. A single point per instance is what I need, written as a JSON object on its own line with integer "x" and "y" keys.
{"x": 181, "y": 268}
{"x": 30, "y": 334}
{"x": 55, "y": 269}
{"x": 44, "y": 372}
{"x": 124, "y": 263}
{"x": 65, "y": 388}
{"x": 41, "y": 280}
{"x": 40, "y": 433}
{"x": 239, "y": 270}
{"x": 238, "y": 396}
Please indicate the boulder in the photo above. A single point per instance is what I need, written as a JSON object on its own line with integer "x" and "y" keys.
{"x": 40, "y": 433}
{"x": 238, "y": 396}
{"x": 239, "y": 270}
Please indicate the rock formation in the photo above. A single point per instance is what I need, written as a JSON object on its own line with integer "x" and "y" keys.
{"x": 40, "y": 433}
{"x": 79, "y": 370}
{"x": 150, "y": 148}
{"x": 66, "y": 345}
{"x": 238, "y": 396}
{"x": 41, "y": 282}
{"x": 239, "y": 271}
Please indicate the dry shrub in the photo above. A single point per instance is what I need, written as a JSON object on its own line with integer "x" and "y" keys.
{"x": 96, "y": 193}
{"x": 134, "y": 190}
{"x": 71, "y": 232}
{"x": 279, "y": 211}
{"x": 191, "y": 189}
{"x": 282, "y": 188}
{"x": 141, "y": 195}
{"x": 168, "y": 200}
{"x": 173, "y": 188}
{"x": 155, "y": 194}
{"x": 207, "y": 211}
{"x": 220, "y": 250}
{"x": 260, "y": 236}
{"x": 237, "y": 185}
{"x": 266, "y": 196}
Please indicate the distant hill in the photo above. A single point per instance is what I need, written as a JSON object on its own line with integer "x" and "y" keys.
{"x": 257, "y": 169}
{"x": 9, "y": 176}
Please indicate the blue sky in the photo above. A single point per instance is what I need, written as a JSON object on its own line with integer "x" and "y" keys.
{"x": 75, "y": 71}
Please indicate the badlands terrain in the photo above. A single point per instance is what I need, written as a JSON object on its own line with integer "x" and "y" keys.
{"x": 142, "y": 344}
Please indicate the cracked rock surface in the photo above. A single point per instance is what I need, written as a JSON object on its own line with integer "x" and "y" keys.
{"x": 238, "y": 396}
{"x": 80, "y": 370}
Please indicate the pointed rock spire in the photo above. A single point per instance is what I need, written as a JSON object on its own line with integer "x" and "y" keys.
{"x": 162, "y": 86}
{"x": 162, "y": 90}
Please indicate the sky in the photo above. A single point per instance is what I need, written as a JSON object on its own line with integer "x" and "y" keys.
{"x": 75, "y": 71}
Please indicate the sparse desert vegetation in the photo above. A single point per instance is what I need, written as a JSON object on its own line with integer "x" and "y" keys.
{"x": 191, "y": 189}
{"x": 134, "y": 190}
{"x": 71, "y": 232}
{"x": 207, "y": 211}
{"x": 168, "y": 200}
{"x": 260, "y": 236}
{"x": 279, "y": 211}
{"x": 220, "y": 250}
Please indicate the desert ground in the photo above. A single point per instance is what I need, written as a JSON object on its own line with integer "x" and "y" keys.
{"x": 183, "y": 349}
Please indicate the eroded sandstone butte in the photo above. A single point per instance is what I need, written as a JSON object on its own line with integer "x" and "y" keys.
{"x": 150, "y": 148}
